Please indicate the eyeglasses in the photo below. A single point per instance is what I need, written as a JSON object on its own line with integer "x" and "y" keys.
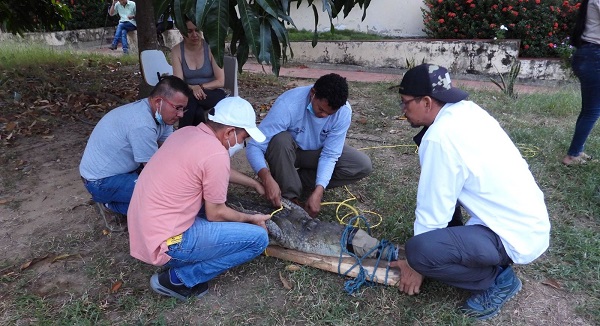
{"x": 179, "y": 108}
{"x": 403, "y": 104}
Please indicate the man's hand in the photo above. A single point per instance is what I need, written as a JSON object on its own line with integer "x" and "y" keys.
{"x": 313, "y": 203}
{"x": 259, "y": 219}
{"x": 272, "y": 190}
{"x": 410, "y": 280}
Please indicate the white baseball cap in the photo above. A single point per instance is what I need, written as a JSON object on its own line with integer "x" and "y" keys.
{"x": 236, "y": 112}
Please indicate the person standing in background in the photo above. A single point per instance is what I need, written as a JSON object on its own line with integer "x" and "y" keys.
{"x": 586, "y": 66}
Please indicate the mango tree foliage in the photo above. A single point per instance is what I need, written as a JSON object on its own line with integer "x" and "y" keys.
{"x": 253, "y": 26}
{"x": 19, "y": 16}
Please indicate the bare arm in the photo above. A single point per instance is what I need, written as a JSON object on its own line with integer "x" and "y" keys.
{"x": 219, "y": 80}
{"x": 244, "y": 180}
{"x": 176, "y": 61}
{"x": 111, "y": 10}
{"x": 222, "y": 213}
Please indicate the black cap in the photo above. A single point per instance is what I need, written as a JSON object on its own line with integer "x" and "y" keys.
{"x": 431, "y": 80}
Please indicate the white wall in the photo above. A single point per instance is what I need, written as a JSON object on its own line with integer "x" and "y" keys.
{"x": 399, "y": 18}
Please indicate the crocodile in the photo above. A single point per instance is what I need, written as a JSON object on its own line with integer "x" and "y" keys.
{"x": 293, "y": 228}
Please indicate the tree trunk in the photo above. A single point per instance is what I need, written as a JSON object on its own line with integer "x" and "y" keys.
{"x": 146, "y": 35}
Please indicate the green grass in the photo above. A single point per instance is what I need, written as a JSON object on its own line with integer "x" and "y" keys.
{"x": 36, "y": 56}
{"x": 336, "y": 35}
{"x": 252, "y": 294}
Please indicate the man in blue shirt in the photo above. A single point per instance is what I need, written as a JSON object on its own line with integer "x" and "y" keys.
{"x": 306, "y": 130}
{"x": 126, "y": 11}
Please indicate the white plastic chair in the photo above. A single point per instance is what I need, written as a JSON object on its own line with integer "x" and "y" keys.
{"x": 154, "y": 64}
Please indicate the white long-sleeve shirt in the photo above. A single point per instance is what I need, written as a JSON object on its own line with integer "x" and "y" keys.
{"x": 465, "y": 155}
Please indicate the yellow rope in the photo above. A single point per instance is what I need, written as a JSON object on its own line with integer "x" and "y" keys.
{"x": 354, "y": 211}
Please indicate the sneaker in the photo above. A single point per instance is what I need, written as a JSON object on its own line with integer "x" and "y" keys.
{"x": 112, "y": 47}
{"x": 487, "y": 304}
{"x": 161, "y": 284}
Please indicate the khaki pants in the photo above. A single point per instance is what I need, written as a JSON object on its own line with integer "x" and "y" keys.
{"x": 295, "y": 169}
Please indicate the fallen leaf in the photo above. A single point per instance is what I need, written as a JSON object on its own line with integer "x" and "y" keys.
{"x": 292, "y": 268}
{"x": 10, "y": 126}
{"x": 32, "y": 262}
{"x": 552, "y": 283}
{"x": 48, "y": 137}
{"x": 286, "y": 283}
{"x": 105, "y": 232}
{"x": 61, "y": 257}
{"x": 4, "y": 201}
{"x": 116, "y": 286}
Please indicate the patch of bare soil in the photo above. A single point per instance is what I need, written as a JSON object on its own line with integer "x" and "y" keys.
{"x": 55, "y": 245}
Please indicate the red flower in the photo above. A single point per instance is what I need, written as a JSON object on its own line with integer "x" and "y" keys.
{"x": 526, "y": 46}
{"x": 472, "y": 5}
{"x": 515, "y": 13}
{"x": 551, "y": 45}
{"x": 550, "y": 34}
{"x": 441, "y": 20}
{"x": 492, "y": 25}
{"x": 538, "y": 1}
{"x": 495, "y": 7}
{"x": 440, "y": 1}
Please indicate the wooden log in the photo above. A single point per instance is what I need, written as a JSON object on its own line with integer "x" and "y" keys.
{"x": 331, "y": 264}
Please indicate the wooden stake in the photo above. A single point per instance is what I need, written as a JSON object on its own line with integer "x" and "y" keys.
{"x": 331, "y": 264}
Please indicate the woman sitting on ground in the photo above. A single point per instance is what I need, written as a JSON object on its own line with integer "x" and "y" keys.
{"x": 194, "y": 63}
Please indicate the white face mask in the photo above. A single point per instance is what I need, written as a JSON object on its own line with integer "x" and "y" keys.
{"x": 236, "y": 148}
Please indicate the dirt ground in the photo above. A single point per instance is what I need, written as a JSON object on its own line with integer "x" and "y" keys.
{"x": 45, "y": 210}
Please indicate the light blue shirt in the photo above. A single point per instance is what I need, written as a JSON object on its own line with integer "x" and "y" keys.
{"x": 289, "y": 113}
{"x": 125, "y": 11}
{"x": 123, "y": 139}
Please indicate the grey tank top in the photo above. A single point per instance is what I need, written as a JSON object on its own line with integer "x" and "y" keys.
{"x": 199, "y": 76}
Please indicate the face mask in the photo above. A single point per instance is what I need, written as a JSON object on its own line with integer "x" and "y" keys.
{"x": 236, "y": 148}
{"x": 309, "y": 106}
{"x": 158, "y": 116}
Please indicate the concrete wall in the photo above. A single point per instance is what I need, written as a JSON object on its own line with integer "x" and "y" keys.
{"x": 399, "y": 18}
{"x": 475, "y": 57}
{"x": 460, "y": 56}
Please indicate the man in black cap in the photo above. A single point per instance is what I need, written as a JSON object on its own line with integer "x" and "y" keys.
{"x": 467, "y": 158}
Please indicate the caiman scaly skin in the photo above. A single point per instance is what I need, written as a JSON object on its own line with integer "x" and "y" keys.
{"x": 293, "y": 228}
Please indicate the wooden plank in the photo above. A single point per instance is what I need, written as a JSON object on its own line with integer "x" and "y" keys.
{"x": 331, "y": 264}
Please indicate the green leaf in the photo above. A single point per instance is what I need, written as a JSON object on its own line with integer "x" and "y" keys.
{"x": 251, "y": 25}
{"x": 265, "y": 42}
{"x": 215, "y": 28}
{"x": 201, "y": 12}
{"x": 315, "y": 34}
{"x": 275, "y": 51}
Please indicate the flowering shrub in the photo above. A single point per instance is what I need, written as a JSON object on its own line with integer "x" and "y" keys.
{"x": 89, "y": 14}
{"x": 539, "y": 24}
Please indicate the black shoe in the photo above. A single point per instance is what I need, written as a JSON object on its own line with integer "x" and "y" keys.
{"x": 161, "y": 284}
{"x": 112, "y": 47}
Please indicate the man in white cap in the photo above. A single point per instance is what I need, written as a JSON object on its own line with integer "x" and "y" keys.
{"x": 178, "y": 218}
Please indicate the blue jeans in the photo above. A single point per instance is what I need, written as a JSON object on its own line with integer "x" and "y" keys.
{"x": 121, "y": 34}
{"x": 467, "y": 257}
{"x": 116, "y": 191}
{"x": 207, "y": 249}
{"x": 586, "y": 66}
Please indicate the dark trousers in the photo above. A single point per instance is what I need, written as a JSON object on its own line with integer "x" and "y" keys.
{"x": 295, "y": 169}
{"x": 197, "y": 110}
{"x": 467, "y": 257}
